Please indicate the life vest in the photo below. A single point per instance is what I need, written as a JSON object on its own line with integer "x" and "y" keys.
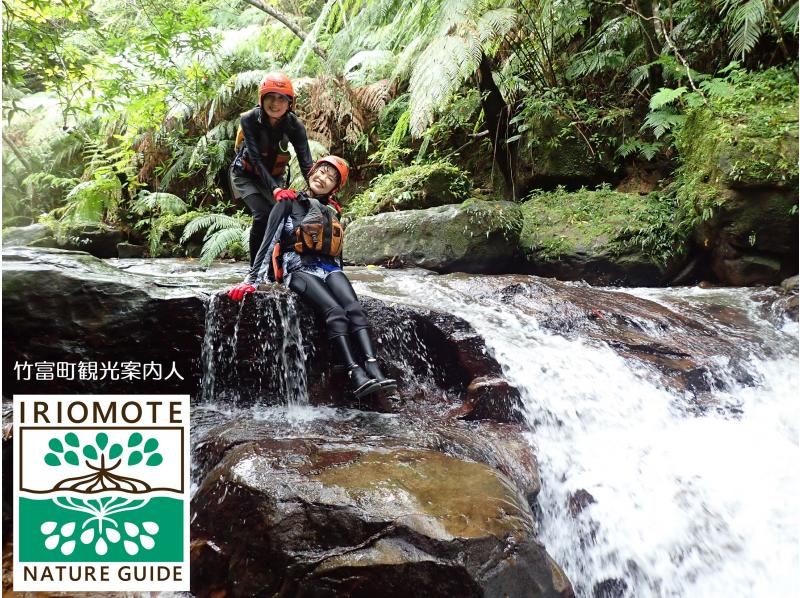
{"x": 319, "y": 232}
{"x": 276, "y": 163}
{"x": 316, "y": 231}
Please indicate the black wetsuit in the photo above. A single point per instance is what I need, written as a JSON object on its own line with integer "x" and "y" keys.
{"x": 250, "y": 176}
{"x": 317, "y": 278}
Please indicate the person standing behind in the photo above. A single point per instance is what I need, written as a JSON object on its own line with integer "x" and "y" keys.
{"x": 257, "y": 173}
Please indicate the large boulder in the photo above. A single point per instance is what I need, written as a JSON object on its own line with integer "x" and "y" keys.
{"x": 296, "y": 516}
{"x": 477, "y": 236}
{"x": 412, "y": 188}
{"x": 73, "y": 308}
{"x": 738, "y": 180}
{"x": 603, "y": 237}
{"x": 96, "y": 239}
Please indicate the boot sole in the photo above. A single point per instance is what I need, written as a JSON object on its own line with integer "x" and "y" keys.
{"x": 366, "y": 389}
{"x": 388, "y": 385}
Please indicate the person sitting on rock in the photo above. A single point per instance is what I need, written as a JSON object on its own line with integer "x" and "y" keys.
{"x": 262, "y": 153}
{"x": 302, "y": 247}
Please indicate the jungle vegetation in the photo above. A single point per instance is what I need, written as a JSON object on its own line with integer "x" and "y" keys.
{"x": 125, "y": 111}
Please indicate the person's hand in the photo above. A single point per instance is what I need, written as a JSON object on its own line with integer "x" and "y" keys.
{"x": 284, "y": 194}
{"x": 238, "y": 292}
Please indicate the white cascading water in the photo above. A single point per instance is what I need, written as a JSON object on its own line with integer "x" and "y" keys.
{"x": 683, "y": 505}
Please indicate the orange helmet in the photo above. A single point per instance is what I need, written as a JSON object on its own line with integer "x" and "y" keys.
{"x": 276, "y": 83}
{"x": 340, "y": 165}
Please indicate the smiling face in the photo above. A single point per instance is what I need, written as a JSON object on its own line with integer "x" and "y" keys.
{"x": 323, "y": 180}
{"x": 275, "y": 105}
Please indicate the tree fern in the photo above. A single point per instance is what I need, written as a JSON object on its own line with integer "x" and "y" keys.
{"x": 440, "y": 70}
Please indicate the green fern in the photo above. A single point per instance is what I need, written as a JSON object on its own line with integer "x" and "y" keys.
{"x": 164, "y": 203}
{"x": 665, "y": 96}
{"x": 91, "y": 201}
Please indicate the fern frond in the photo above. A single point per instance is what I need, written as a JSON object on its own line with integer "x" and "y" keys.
{"x": 441, "y": 69}
{"x": 219, "y": 242}
{"x": 213, "y": 222}
{"x": 165, "y": 203}
{"x": 369, "y": 65}
{"x": 495, "y": 24}
{"x": 789, "y": 20}
{"x": 666, "y": 96}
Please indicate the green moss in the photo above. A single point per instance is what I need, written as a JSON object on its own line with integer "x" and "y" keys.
{"x": 746, "y": 138}
{"x": 413, "y": 187}
{"x": 603, "y": 221}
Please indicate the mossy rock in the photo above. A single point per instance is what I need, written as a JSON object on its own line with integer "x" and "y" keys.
{"x": 476, "y": 236}
{"x": 603, "y": 236}
{"x": 737, "y": 185}
{"x": 745, "y": 139}
{"x": 98, "y": 239}
{"x": 413, "y": 188}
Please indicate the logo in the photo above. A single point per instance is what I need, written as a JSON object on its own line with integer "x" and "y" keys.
{"x": 101, "y": 491}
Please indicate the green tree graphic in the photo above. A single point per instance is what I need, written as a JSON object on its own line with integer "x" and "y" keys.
{"x": 102, "y": 459}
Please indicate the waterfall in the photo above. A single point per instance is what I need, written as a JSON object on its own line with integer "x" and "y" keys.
{"x": 641, "y": 496}
{"x": 253, "y": 352}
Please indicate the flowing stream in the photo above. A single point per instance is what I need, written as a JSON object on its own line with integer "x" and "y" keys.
{"x": 642, "y": 497}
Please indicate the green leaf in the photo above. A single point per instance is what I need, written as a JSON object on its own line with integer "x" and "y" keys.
{"x": 71, "y": 458}
{"x": 666, "y": 96}
{"x": 52, "y": 459}
{"x": 155, "y": 459}
{"x": 90, "y": 452}
{"x": 150, "y": 445}
{"x": 55, "y": 445}
{"x": 101, "y": 440}
{"x": 135, "y": 458}
{"x": 115, "y": 451}
{"x": 72, "y": 439}
{"x": 134, "y": 439}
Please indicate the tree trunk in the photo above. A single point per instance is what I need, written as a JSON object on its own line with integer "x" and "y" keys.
{"x": 497, "y": 115}
{"x": 654, "y": 72}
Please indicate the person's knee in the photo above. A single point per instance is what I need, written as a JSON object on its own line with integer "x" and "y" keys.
{"x": 260, "y": 217}
{"x": 356, "y": 316}
{"x": 336, "y": 322}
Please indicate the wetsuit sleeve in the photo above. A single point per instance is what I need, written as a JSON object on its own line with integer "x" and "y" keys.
{"x": 258, "y": 272}
{"x": 299, "y": 139}
{"x": 249, "y": 127}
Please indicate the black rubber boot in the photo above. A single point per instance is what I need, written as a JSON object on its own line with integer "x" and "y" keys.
{"x": 373, "y": 369}
{"x": 360, "y": 383}
{"x": 371, "y": 365}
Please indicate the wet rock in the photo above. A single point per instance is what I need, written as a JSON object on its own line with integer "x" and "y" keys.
{"x": 33, "y": 234}
{"x": 70, "y": 307}
{"x": 500, "y": 446}
{"x": 64, "y": 306}
{"x": 97, "y": 239}
{"x": 579, "y": 500}
{"x": 480, "y": 236}
{"x": 610, "y": 588}
{"x": 434, "y": 356}
{"x": 685, "y": 348}
{"x": 128, "y": 250}
{"x": 296, "y": 517}
{"x": 493, "y": 398}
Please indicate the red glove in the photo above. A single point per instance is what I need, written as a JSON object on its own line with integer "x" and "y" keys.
{"x": 284, "y": 194}
{"x": 238, "y": 292}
